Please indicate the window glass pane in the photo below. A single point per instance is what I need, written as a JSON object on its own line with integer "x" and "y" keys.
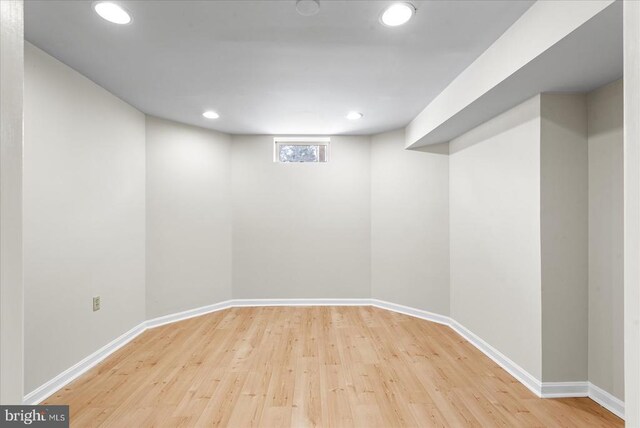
{"x": 299, "y": 153}
{"x": 295, "y": 150}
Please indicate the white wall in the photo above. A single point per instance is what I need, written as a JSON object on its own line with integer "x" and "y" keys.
{"x": 409, "y": 225}
{"x": 84, "y": 215}
{"x": 223, "y": 220}
{"x": 536, "y": 235}
{"x": 301, "y": 230}
{"x": 494, "y": 177}
{"x": 606, "y": 239}
{"x": 188, "y": 217}
{"x": 564, "y": 236}
{"x": 632, "y": 212}
{"x": 11, "y": 289}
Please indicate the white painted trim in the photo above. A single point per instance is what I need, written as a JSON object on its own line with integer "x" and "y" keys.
{"x": 584, "y": 389}
{"x": 565, "y": 389}
{"x": 500, "y": 359}
{"x": 406, "y": 310}
{"x": 72, "y": 373}
{"x": 243, "y": 303}
{"x": 179, "y": 316}
{"x": 541, "y": 389}
{"x": 606, "y": 400}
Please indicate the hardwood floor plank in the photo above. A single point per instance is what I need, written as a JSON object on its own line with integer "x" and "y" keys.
{"x": 310, "y": 366}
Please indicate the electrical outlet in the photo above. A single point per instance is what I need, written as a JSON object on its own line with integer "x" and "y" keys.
{"x": 96, "y": 303}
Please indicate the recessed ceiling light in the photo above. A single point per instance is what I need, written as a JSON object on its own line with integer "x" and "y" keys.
{"x": 397, "y": 14}
{"x": 112, "y": 12}
{"x": 354, "y": 115}
{"x": 211, "y": 114}
{"x": 308, "y": 7}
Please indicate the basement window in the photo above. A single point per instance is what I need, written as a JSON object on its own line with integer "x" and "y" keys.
{"x": 298, "y": 150}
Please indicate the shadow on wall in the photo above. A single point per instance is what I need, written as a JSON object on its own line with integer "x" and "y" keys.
{"x": 437, "y": 149}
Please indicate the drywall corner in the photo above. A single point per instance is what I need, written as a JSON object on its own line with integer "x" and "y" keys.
{"x": 409, "y": 225}
{"x": 606, "y": 238}
{"x": 188, "y": 217}
{"x": 564, "y": 236}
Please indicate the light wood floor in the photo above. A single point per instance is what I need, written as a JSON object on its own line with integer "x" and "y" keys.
{"x": 314, "y": 366}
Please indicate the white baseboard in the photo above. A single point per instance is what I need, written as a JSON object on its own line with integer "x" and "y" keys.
{"x": 606, "y": 400}
{"x": 565, "y": 389}
{"x": 541, "y": 389}
{"x": 69, "y": 375}
{"x": 406, "y": 310}
{"x": 242, "y": 303}
{"x": 49, "y": 388}
{"x": 179, "y": 316}
{"x": 584, "y": 389}
{"x": 523, "y": 376}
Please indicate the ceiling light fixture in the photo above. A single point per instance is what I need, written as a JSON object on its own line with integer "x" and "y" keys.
{"x": 308, "y": 7}
{"x": 354, "y": 115}
{"x": 112, "y": 12}
{"x": 211, "y": 114}
{"x": 397, "y": 14}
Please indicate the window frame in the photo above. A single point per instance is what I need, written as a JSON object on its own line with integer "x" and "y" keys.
{"x": 301, "y": 141}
